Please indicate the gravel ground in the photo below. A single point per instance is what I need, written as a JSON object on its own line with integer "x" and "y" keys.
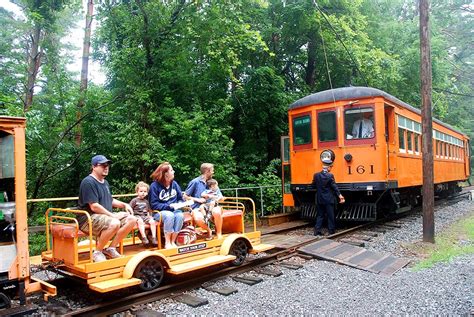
{"x": 394, "y": 241}
{"x": 325, "y": 288}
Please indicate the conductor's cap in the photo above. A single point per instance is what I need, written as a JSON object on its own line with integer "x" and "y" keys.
{"x": 327, "y": 161}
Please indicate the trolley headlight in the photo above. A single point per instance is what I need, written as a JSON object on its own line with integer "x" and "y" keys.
{"x": 327, "y": 155}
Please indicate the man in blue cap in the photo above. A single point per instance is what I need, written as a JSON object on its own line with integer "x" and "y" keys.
{"x": 326, "y": 192}
{"x": 95, "y": 197}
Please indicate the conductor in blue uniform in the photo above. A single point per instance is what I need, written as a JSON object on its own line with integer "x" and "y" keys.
{"x": 326, "y": 197}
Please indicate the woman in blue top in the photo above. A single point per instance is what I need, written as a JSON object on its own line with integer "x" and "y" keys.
{"x": 164, "y": 192}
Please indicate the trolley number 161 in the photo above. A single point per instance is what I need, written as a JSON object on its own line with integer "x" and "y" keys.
{"x": 360, "y": 169}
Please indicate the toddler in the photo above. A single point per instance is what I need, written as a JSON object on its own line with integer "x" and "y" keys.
{"x": 141, "y": 210}
{"x": 213, "y": 195}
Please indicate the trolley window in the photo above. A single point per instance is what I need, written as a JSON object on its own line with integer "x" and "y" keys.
{"x": 409, "y": 141}
{"x": 285, "y": 149}
{"x": 359, "y": 123}
{"x": 401, "y": 139}
{"x": 302, "y": 130}
{"x": 287, "y": 179}
{"x": 417, "y": 143}
{"x": 327, "y": 126}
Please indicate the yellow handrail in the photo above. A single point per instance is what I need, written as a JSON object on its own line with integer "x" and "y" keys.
{"x": 253, "y": 207}
{"x": 38, "y": 200}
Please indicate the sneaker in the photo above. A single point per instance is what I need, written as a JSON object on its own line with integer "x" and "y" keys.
{"x": 145, "y": 241}
{"x": 154, "y": 243}
{"x": 209, "y": 236}
{"x": 317, "y": 233}
{"x": 98, "y": 256}
{"x": 111, "y": 253}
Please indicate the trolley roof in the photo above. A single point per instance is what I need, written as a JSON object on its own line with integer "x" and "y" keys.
{"x": 351, "y": 93}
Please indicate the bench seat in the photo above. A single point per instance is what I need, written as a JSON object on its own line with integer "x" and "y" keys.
{"x": 66, "y": 236}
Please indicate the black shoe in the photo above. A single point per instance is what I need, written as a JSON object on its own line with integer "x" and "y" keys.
{"x": 317, "y": 233}
{"x": 332, "y": 231}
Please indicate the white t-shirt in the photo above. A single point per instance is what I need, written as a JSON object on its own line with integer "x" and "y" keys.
{"x": 367, "y": 129}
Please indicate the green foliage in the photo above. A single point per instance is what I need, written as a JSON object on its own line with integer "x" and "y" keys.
{"x": 271, "y": 177}
{"x": 12, "y": 64}
{"x": 198, "y": 81}
{"x": 37, "y": 242}
{"x": 259, "y": 119}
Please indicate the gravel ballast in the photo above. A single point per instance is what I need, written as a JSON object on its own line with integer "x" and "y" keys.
{"x": 326, "y": 288}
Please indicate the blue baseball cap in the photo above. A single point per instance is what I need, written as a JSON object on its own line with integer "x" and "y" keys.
{"x": 100, "y": 159}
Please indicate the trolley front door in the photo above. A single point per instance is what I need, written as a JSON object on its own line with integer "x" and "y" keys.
{"x": 286, "y": 173}
{"x": 390, "y": 138}
{"x": 467, "y": 157}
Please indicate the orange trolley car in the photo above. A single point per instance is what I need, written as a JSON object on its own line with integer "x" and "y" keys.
{"x": 378, "y": 168}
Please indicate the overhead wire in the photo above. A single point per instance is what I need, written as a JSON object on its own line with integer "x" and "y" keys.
{"x": 340, "y": 40}
{"x": 327, "y": 64}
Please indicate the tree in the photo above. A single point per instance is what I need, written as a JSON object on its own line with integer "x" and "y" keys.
{"x": 42, "y": 16}
{"x": 85, "y": 67}
{"x": 260, "y": 114}
{"x": 12, "y": 63}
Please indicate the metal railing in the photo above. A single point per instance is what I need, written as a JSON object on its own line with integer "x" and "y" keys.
{"x": 260, "y": 188}
{"x": 235, "y": 190}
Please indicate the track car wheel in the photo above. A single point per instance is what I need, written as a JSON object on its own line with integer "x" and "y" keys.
{"x": 5, "y": 301}
{"x": 151, "y": 271}
{"x": 240, "y": 250}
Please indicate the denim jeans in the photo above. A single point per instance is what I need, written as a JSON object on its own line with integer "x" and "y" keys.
{"x": 172, "y": 220}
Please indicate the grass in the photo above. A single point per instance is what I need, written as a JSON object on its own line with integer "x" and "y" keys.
{"x": 456, "y": 240}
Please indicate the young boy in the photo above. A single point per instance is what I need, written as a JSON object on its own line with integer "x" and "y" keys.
{"x": 214, "y": 195}
{"x": 141, "y": 210}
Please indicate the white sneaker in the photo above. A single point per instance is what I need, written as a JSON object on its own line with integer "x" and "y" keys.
{"x": 98, "y": 256}
{"x": 168, "y": 246}
{"x": 111, "y": 253}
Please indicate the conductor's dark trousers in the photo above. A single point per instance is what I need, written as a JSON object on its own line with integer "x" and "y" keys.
{"x": 328, "y": 210}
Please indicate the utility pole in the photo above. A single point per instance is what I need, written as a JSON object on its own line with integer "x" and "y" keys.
{"x": 427, "y": 124}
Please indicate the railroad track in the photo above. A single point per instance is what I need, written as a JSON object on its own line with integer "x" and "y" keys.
{"x": 207, "y": 276}
{"x": 132, "y": 301}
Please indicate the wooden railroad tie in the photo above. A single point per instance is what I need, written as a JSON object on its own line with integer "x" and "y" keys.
{"x": 226, "y": 291}
{"x": 191, "y": 300}
{"x": 269, "y": 272}
{"x": 357, "y": 243}
{"x": 290, "y": 266}
{"x": 249, "y": 280}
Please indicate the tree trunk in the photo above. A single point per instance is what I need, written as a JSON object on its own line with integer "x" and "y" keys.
{"x": 34, "y": 62}
{"x": 85, "y": 68}
{"x": 311, "y": 67}
{"x": 146, "y": 36}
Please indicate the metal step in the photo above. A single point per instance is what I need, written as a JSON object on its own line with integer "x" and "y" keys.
{"x": 358, "y": 212}
{"x": 199, "y": 264}
{"x": 308, "y": 211}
